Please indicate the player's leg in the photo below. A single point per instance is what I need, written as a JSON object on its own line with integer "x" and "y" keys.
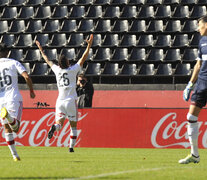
{"x": 73, "y": 135}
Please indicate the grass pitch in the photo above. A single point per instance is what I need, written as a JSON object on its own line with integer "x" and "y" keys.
{"x": 100, "y": 163}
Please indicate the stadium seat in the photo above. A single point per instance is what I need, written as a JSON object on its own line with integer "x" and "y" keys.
{"x": 195, "y": 40}
{"x": 146, "y": 12}
{"x": 94, "y": 12}
{"x": 60, "y": 12}
{"x": 173, "y": 26}
{"x": 4, "y": 27}
{"x": 138, "y": 26}
{"x": 84, "y": 2}
{"x": 27, "y": 67}
{"x": 188, "y": 2}
{"x": 190, "y": 26}
{"x": 51, "y": 26}
{"x": 85, "y": 25}
{"x": 153, "y": 2}
{"x": 24, "y": 41}
{"x": 4, "y": 3}
{"x": 112, "y": 12}
{"x": 43, "y": 39}
{"x": 172, "y": 55}
{"x": 51, "y": 2}
{"x": 183, "y": 69}
{"x": 16, "y": 54}
{"x": 110, "y": 40}
{"x": 102, "y": 2}
{"x": 119, "y": 2}
{"x": 97, "y": 40}
{"x": 77, "y": 12}
{"x": 69, "y": 53}
{"x": 202, "y": 2}
{"x": 8, "y": 39}
{"x": 93, "y": 69}
{"x": 145, "y": 40}
{"x": 58, "y": 40}
{"x": 111, "y": 69}
{"x": 147, "y": 69}
{"x": 180, "y": 40}
{"x": 34, "y": 2}
{"x": 103, "y": 26}
{"x": 68, "y": 2}
{"x": 129, "y": 12}
{"x": 102, "y": 54}
{"x": 163, "y": 12}
{"x": 181, "y": 12}
{"x": 32, "y": 55}
{"x": 155, "y": 55}
{"x": 34, "y": 26}
{"x": 136, "y": 2}
{"x": 17, "y": 3}
{"x": 80, "y": 54}
{"x": 190, "y": 55}
{"x": 17, "y": 26}
{"x": 128, "y": 69}
{"x": 164, "y": 69}
{"x": 9, "y": 13}
{"x": 43, "y": 12}
{"x": 119, "y": 55}
{"x": 40, "y": 69}
{"x": 163, "y": 41}
{"x": 68, "y": 26}
{"x": 128, "y": 40}
{"x": 137, "y": 55}
{"x": 75, "y": 40}
{"x": 171, "y": 2}
{"x": 120, "y": 26}
{"x": 198, "y": 11}
{"x": 155, "y": 26}
{"x": 26, "y": 12}
{"x": 51, "y": 54}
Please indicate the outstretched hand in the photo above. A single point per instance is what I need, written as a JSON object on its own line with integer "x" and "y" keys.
{"x": 38, "y": 45}
{"x": 90, "y": 40}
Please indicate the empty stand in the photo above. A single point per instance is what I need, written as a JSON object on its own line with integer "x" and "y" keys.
{"x": 40, "y": 69}
{"x": 97, "y": 40}
{"x": 93, "y": 69}
{"x": 16, "y": 54}
{"x": 58, "y": 40}
{"x": 119, "y": 55}
{"x": 51, "y": 26}
{"x": 120, "y": 26}
{"x": 183, "y": 69}
{"x": 146, "y": 12}
{"x": 147, "y": 69}
{"x": 17, "y": 26}
{"x": 173, "y": 26}
{"x": 43, "y": 12}
{"x": 4, "y": 27}
{"x": 180, "y": 40}
{"x": 155, "y": 26}
{"x": 32, "y": 55}
{"x": 43, "y": 39}
{"x": 155, "y": 55}
{"x": 172, "y": 55}
{"x": 138, "y": 26}
{"x": 145, "y": 40}
{"x": 190, "y": 55}
{"x": 86, "y": 25}
{"x": 75, "y": 40}
{"x": 128, "y": 40}
{"x": 68, "y": 26}
{"x": 8, "y": 39}
{"x": 60, "y": 12}
{"x": 9, "y": 13}
{"x": 51, "y": 54}
{"x": 84, "y": 2}
{"x": 198, "y": 11}
{"x": 102, "y": 54}
{"x": 164, "y": 69}
{"x": 129, "y": 70}
{"x": 163, "y": 41}
{"x": 34, "y": 26}
{"x": 110, "y": 40}
{"x": 27, "y": 67}
{"x": 181, "y": 12}
{"x": 35, "y": 2}
{"x": 190, "y": 26}
{"x": 137, "y": 55}
{"x": 94, "y": 12}
{"x": 80, "y": 54}
{"x": 163, "y": 12}
{"x": 103, "y": 26}
{"x": 69, "y": 53}
{"x": 24, "y": 41}
{"x": 68, "y": 2}
{"x": 111, "y": 69}
{"x": 77, "y": 12}
{"x": 112, "y": 12}
{"x": 26, "y": 12}
{"x": 129, "y": 12}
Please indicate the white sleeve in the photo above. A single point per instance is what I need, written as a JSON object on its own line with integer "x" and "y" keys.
{"x": 76, "y": 68}
{"x": 55, "y": 68}
{"x": 20, "y": 67}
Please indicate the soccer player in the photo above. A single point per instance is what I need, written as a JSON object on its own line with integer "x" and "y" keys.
{"x": 66, "y": 105}
{"x": 10, "y": 97}
{"x": 199, "y": 96}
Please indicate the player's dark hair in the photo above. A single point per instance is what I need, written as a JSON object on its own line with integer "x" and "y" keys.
{"x": 3, "y": 50}
{"x": 203, "y": 18}
{"x": 63, "y": 62}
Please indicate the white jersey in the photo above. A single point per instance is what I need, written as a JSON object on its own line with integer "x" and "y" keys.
{"x": 66, "y": 81}
{"x": 9, "y": 69}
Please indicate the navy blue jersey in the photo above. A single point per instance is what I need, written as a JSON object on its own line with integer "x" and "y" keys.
{"x": 202, "y": 55}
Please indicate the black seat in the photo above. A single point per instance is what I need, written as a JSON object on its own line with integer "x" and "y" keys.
{"x": 190, "y": 55}
{"x": 128, "y": 40}
{"x": 94, "y": 12}
{"x": 40, "y": 69}
{"x": 163, "y": 41}
{"x": 119, "y": 2}
{"x": 155, "y": 26}
{"x": 138, "y": 26}
{"x": 147, "y": 69}
{"x": 155, "y": 55}
{"x": 202, "y": 2}
{"x": 97, "y": 40}
{"x": 32, "y": 55}
{"x": 43, "y": 39}
{"x": 111, "y": 69}
{"x": 129, "y": 12}
{"x": 17, "y": 26}
{"x": 172, "y": 55}
{"x": 8, "y": 39}
{"x": 146, "y": 12}
{"x": 68, "y": 2}
{"x": 136, "y": 2}
{"x": 9, "y": 13}
{"x": 190, "y": 26}
{"x": 90, "y": 54}
{"x": 102, "y": 54}
{"x": 181, "y": 12}
{"x": 153, "y": 2}
{"x": 173, "y": 26}
{"x": 34, "y": 26}
{"x": 68, "y": 25}
{"x": 77, "y": 12}
{"x": 198, "y": 11}
{"x": 180, "y": 40}
{"x": 120, "y": 54}
{"x": 58, "y": 40}
{"x": 35, "y": 2}
{"x": 75, "y": 40}
{"x": 27, "y": 67}
{"x": 188, "y": 2}
{"x": 195, "y": 40}
{"x": 60, "y": 12}
{"x": 86, "y": 25}
{"x": 164, "y": 69}
{"x": 51, "y": 54}
{"x": 110, "y": 40}
{"x": 69, "y": 53}
{"x": 183, "y": 69}
{"x": 103, "y": 26}
{"x": 163, "y": 12}
{"x": 85, "y": 2}
{"x": 4, "y": 3}
{"x": 93, "y": 69}
{"x": 171, "y": 2}
{"x": 43, "y": 12}
{"x": 145, "y": 40}
{"x": 16, "y": 54}
{"x": 51, "y": 26}
{"x": 102, "y": 2}
{"x": 120, "y": 26}
{"x": 24, "y": 41}
{"x": 4, "y": 27}
{"x": 128, "y": 69}
{"x": 137, "y": 54}
{"x": 51, "y": 2}
{"x": 26, "y": 12}
{"x": 112, "y": 12}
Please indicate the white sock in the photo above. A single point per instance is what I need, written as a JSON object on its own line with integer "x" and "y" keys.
{"x": 73, "y": 136}
{"x": 11, "y": 144}
{"x": 193, "y": 137}
{"x": 58, "y": 127}
{"x": 14, "y": 125}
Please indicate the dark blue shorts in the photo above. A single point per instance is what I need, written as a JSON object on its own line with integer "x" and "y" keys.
{"x": 199, "y": 96}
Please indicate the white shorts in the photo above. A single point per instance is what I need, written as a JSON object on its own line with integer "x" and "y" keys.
{"x": 66, "y": 109}
{"x": 14, "y": 108}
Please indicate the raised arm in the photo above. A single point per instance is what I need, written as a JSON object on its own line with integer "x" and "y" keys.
{"x": 85, "y": 54}
{"x": 29, "y": 83}
{"x": 50, "y": 63}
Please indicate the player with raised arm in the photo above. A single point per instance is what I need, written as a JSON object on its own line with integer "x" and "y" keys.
{"x": 10, "y": 97}
{"x": 66, "y": 105}
{"x": 199, "y": 96}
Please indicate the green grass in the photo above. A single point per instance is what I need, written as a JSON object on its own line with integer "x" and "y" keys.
{"x": 100, "y": 163}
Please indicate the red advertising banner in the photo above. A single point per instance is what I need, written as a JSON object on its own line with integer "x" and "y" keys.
{"x": 117, "y": 128}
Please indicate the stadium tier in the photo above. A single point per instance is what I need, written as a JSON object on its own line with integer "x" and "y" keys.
{"x": 135, "y": 41}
